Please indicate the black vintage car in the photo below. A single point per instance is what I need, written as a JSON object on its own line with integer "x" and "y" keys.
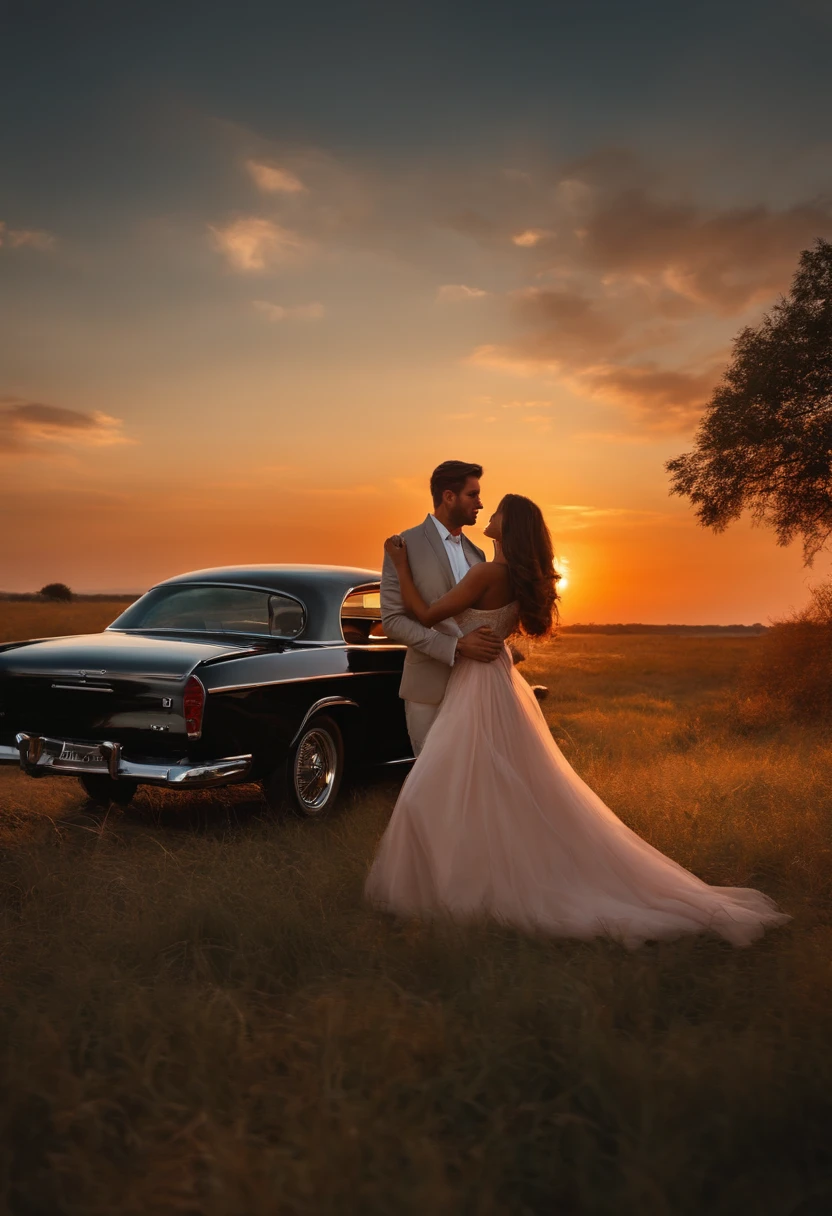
{"x": 276, "y": 674}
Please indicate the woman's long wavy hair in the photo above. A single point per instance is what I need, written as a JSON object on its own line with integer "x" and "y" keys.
{"x": 527, "y": 547}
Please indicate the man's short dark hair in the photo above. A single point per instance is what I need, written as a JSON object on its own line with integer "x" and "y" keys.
{"x": 451, "y": 475}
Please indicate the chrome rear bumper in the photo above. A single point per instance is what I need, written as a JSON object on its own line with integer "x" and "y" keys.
{"x": 38, "y": 755}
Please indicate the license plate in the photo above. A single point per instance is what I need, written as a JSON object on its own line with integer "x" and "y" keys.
{"x": 76, "y": 753}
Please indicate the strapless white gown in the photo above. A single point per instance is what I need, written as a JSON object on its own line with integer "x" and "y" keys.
{"x": 493, "y": 821}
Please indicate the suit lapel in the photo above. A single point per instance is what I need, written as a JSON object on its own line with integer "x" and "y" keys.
{"x": 435, "y": 542}
{"x": 474, "y": 554}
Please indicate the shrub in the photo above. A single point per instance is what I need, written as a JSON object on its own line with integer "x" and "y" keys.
{"x": 791, "y": 674}
{"x": 56, "y": 591}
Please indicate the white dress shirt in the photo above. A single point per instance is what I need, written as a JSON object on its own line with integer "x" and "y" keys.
{"x": 454, "y": 550}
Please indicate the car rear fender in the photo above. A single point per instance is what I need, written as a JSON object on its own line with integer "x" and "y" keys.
{"x": 343, "y": 711}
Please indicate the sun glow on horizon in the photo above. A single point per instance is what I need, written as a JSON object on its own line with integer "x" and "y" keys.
{"x": 562, "y": 567}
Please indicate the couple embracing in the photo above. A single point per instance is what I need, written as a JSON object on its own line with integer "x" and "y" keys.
{"x": 492, "y": 820}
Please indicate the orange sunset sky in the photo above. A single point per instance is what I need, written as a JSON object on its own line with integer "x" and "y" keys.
{"x": 262, "y": 269}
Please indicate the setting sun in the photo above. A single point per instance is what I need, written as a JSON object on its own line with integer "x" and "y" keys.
{"x": 562, "y": 567}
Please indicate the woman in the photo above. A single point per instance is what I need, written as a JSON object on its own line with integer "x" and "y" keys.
{"x": 492, "y": 820}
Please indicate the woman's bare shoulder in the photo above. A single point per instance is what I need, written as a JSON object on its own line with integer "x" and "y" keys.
{"x": 494, "y": 573}
{"x": 479, "y": 574}
{"x": 487, "y": 575}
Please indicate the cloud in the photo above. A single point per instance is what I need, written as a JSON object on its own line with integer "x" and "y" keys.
{"x": 273, "y": 180}
{"x": 569, "y": 329}
{"x": 470, "y": 222}
{"x": 633, "y": 276}
{"x": 328, "y": 197}
{"x": 296, "y": 312}
{"x": 458, "y": 291}
{"x": 530, "y": 237}
{"x": 251, "y": 243}
{"x": 635, "y": 279}
{"x": 605, "y": 349}
{"x": 30, "y": 427}
{"x": 608, "y": 214}
{"x": 665, "y": 399}
{"x": 572, "y": 193}
{"x": 569, "y": 324}
{"x": 727, "y": 259}
{"x": 612, "y": 214}
{"x": 576, "y": 517}
{"x": 660, "y": 399}
{"x": 32, "y": 238}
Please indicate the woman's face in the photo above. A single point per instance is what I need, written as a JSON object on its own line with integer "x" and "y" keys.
{"x": 495, "y": 526}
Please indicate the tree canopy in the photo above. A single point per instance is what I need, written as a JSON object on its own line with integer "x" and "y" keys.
{"x": 765, "y": 441}
{"x": 56, "y": 591}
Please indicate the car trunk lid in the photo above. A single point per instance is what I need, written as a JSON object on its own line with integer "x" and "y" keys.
{"x": 126, "y": 688}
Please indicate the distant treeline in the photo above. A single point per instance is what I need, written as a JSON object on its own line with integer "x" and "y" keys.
{"x": 34, "y": 598}
{"x": 751, "y": 630}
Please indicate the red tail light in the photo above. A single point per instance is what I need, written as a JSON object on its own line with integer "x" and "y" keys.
{"x": 193, "y": 706}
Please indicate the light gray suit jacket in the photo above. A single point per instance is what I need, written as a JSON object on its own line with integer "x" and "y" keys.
{"x": 430, "y": 652}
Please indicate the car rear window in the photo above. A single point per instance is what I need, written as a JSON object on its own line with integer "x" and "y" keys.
{"x": 214, "y": 609}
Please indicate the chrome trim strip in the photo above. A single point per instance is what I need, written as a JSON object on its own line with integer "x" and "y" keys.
{"x": 335, "y": 675}
{"x": 211, "y": 633}
{"x": 375, "y": 646}
{"x": 404, "y": 760}
{"x": 333, "y": 645}
{"x": 213, "y": 772}
{"x": 35, "y": 752}
{"x": 58, "y": 673}
{"x": 85, "y": 687}
{"x": 314, "y": 709}
{"x": 206, "y": 582}
{"x": 354, "y": 645}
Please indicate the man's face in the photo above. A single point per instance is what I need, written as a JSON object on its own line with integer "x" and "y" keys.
{"x": 463, "y": 507}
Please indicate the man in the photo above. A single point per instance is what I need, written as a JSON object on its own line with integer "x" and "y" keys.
{"x": 439, "y": 557}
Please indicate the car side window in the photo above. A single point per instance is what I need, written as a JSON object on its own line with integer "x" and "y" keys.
{"x": 286, "y": 616}
{"x": 361, "y": 618}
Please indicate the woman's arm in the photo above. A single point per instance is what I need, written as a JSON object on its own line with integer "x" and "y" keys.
{"x": 464, "y": 595}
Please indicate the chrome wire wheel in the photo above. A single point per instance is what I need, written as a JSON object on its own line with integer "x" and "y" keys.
{"x": 316, "y": 770}
{"x": 308, "y": 776}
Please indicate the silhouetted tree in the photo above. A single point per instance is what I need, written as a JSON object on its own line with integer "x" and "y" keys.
{"x": 56, "y": 591}
{"x": 765, "y": 441}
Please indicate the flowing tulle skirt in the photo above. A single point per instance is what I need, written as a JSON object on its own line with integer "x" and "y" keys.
{"x": 493, "y": 821}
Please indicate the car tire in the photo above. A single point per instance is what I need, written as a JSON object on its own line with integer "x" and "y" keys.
{"x": 103, "y": 791}
{"x": 307, "y": 782}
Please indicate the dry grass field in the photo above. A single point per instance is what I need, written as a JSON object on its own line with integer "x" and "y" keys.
{"x": 39, "y": 619}
{"x": 200, "y": 1016}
